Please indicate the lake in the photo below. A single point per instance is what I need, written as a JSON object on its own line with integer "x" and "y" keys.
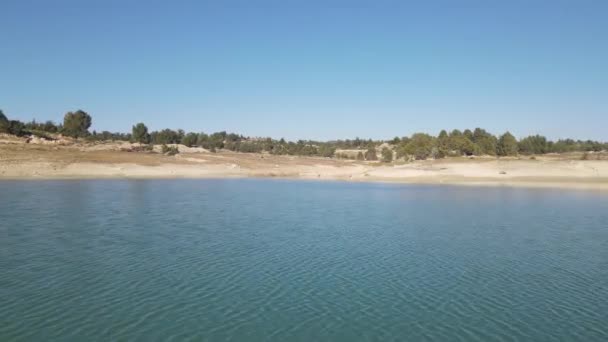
{"x": 277, "y": 260}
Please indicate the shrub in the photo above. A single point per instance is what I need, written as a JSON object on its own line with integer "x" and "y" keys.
{"x": 169, "y": 150}
{"x": 16, "y": 127}
{"x": 327, "y": 151}
{"x": 190, "y": 139}
{"x": 387, "y": 155}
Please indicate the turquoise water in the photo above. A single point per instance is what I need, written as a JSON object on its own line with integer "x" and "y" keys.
{"x": 272, "y": 260}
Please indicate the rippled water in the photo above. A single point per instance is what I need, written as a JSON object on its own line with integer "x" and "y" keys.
{"x": 270, "y": 260}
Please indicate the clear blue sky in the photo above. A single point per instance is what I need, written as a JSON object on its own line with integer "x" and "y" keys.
{"x": 310, "y": 69}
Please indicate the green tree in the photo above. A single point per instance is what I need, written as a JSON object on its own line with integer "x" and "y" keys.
{"x": 420, "y": 146}
{"x": 534, "y": 144}
{"x": 387, "y": 155}
{"x": 468, "y": 134}
{"x": 190, "y": 139}
{"x": 202, "y": 140}
{"x": 443, "y": 144}
{"x": 485, "y": 142}
{"x": 479, "y": 134}
{"x": 360, "y": 156}
{"x": 76, "y": 124}
{"x": 487, "y": 145}
{"x": 460, "y": 143}
{"x": 180, "y": 135}
{"x": 507, "y": 145}
{"x": 166, "y": 136}
{"x": 140, "y": 134}
{"x": 217, "y": 139}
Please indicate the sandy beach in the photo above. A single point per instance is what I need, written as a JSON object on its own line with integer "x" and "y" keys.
{"x": 20, "y": 160}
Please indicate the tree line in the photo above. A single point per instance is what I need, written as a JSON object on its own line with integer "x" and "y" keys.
{"x": 417, "y": 146}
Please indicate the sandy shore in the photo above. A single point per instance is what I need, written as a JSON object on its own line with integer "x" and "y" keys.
{"x": 36, "y": 161}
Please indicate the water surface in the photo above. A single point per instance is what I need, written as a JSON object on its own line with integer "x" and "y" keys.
{"x": 272, "y": 260}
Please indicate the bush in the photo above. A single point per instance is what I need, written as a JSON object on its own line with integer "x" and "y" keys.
{"x": 190, "y": 139}
{"x": 142, "y": 148}
{"x": 50, "y": 127}
{"x": 16, "y": 127}
{"x": 41, "y": 134}
{"x": 327, "y": 151}
{"x": 166, "y": 136}
{"x": 387, "y": 155}
{"x": 169, "y": 150}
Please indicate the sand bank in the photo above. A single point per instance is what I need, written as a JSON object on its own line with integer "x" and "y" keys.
{"x": 27, "y": 161}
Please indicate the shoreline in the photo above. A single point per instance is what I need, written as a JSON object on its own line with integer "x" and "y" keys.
{"x": 31, "y": 162}
{"x": 169, "y": 172}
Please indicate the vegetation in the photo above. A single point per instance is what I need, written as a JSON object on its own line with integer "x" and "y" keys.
{"x": 190, "y": 139}
{"x": 3, "y": 123}
{"x": 109, "y": 136}
{"x": 326, "y": 151}
{"x": 484, "y": 142}
{"x": 370, "y": 154}
{"x": 418, "y": 146}
{"x": 140, "y": 134}
{"x": 533, "y": 145}
{"x": 507, "y": 145}
{"x": 76, "y": 124}
{"x": 169, "y": 150}
{"x": 387, "y": 155}
{"x": 16, "y": 127}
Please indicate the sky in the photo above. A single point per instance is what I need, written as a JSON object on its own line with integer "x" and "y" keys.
{"x": 310, "y": 69}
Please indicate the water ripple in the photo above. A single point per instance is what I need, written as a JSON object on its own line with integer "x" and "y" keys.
{"x": 275, "y": 261}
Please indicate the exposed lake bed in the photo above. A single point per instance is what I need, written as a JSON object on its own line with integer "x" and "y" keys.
{"x": 19, "y": 160}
